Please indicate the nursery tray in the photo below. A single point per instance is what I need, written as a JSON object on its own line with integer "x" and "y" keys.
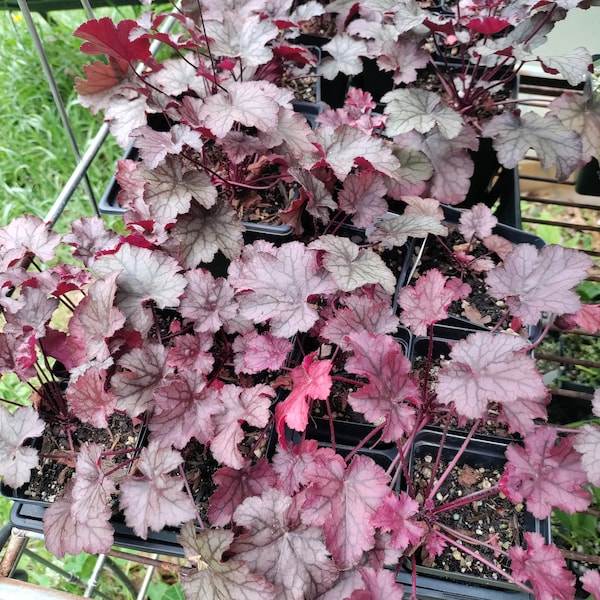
{"x": 482, "y": 451}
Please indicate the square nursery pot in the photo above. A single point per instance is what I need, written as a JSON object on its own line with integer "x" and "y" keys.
{"x": 485, "y": 454}
{"x": 434, "y": 256}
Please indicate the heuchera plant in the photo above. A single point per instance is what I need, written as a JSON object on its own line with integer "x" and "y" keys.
{"x": 447, "y": 71}
{"x": 201, "y": 338}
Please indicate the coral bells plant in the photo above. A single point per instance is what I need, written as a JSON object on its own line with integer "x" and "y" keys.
{"x": 242, "y": 365}
{"x": 443, "y": 72}
{"x": 260, "y": 400}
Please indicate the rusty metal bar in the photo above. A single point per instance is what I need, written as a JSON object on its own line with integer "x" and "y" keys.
{"x": 570, "y": 394}
{"x": 13, "y": 589}
{"x": 567, "y": 360}
{"x": 574, "y": 226}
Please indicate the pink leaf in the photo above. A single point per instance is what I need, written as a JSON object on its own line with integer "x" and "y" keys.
{"x": 380, "y": 584}
{"x": 310, "y": 381}
{"x": 591, "y": 583}
{"x": 155, "y": 498}
{"x": 104, "y": 37}
{"x": 487, "y": 367}
{"x": 64, "y": 534}
{"x": 208, "y": 301}
{"x": 274, "y": 284}
{"x": 154, "y": 147}
{"x": 545, "y": 474}
{"x": 290, "y": 464}
{"x": 89, "y": 235}
{"x": 191, "y": 353}
{"x": 363, "y": 196}
{"x": 478, "y": 222}
{"x": 92, "y": 490}
{"x": 360, "y": 314}
{"x": 89, "y": 399}
{"x": 343, "y": 500}
{"x": 381, "y": 360}
{"x": 544, "y": 567}
{"x": 587, "y": 317}
{"x": 587, "y": 442}
{"x": 215, "y": 579}
{"x": 16, "y": 460}
{"x": 95, "y": 319}
{"x": 394, "y": 515}
{"x": 426, "y": 302}
{"x": 27, "y": 235}
{"x": 235, "y": 485}
{"x": 274, "y": 540}
{"x": 256, "y": 352}
{"x": 183, "y": 409}
{"x": 242, "y": 405}
{"x": 534, "y": 281}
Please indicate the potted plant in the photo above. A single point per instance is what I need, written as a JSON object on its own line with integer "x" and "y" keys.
{"x": 229, "y": 351}
{"x": 440, "y": 72}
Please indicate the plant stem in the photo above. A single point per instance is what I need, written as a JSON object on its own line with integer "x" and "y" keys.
{"x": 464, "y": 500}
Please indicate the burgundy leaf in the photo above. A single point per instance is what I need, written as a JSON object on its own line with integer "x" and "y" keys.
{"x": 215, "y": 579}
{"x": 89, "y": 399}
{"x": 242, "y": 405}
{"x": 310, "y": 381}
{"x": 544, "y": 567}
{"x": 275, "y": 540}
{"x": 155, "y": 499}
{"x": 545, "y": 474}
{"x": 343, "y": 500}
{"x": 488, "y": 25}
{"x": 104, "y": 37}
{"x": 487, "y": 367}
{"x": 534, "y": 281}
{"x": 235, "y": 485}
{"x": 16, "y": 460}
{"x": 65, "y": 534}
{"x": 380, "y": 359}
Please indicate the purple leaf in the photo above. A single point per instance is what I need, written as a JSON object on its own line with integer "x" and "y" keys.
{"x": 487, "y": 367}
{"x": 27, "y": 235}
{"x": 545, "y": 474}
{"x": 215, "y": 579}
{"x": 478, "y": 222}
{"x": 143, "y": 275}
{"x": 274, "y": 284}
{"x": 290, "y": 464}
{"x": 343, "y": 500}
{"x": 89, "y": 235}
{"x": 290, "y": 555}
{"x": 65, "y": 534}
{"x": 235, "y": 485}
{"x": 534, "y": 281}
{"x": 256, "y": 352}
{"x": 396, "y": 230}
{"x": 242, "y": 405}
{"x": 554, "y": 145}
{"x": 16, "y": 460}
{"x": 154, "y": 146}
{"x": 142, "y": 372}
{"x": 155, "y": 498}
{"x": 363, "y": 196}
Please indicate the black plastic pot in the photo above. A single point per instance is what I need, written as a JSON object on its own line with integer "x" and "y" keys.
{"x": 482, "y": 451}
{"x": 452, "y": 216}
{"x": 587, "y": 181}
